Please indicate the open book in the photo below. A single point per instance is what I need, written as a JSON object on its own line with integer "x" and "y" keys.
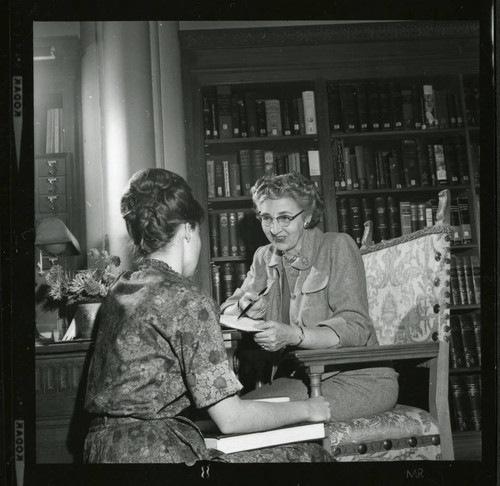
{"x": 242, "y": 324}
{"x": 229, "y": 443}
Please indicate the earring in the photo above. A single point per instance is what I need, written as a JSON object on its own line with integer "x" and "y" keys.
{"x": 306, "y": 224}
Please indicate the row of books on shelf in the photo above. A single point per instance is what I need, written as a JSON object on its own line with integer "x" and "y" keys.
{"x": 373, "y": 106}
{"x": 53, "y": 138}
{"x": 405, "y": 164}
{"x": 465, "y": 280}
{"x": 393, "y": 218}
{"x": 227, "y": 230}
{"x": 465, "y": 394}
{"x": 226, "y": 278}
{"x": 227, "y": 114}
{"x": 233, "y": 174}
{"x": 465, "y": 343}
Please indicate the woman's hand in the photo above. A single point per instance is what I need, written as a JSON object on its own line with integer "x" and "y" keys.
{"x": 319, "y": 409}
{"x": 259, "y": 308}
{"x": 276, "y": 335}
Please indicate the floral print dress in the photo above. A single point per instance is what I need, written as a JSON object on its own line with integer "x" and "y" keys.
{"x": 159, "y": 352}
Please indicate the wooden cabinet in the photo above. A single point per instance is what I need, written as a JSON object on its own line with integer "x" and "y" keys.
{"x": 281, "y": 63}
{"x": 60, "y": 383}
{"x": 59, "y": 191}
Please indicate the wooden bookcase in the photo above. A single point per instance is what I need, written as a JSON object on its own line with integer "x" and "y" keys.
{"x": 283, "y": 62}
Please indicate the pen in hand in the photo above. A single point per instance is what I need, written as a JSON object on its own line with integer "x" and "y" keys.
{"x": 249, "y": 306}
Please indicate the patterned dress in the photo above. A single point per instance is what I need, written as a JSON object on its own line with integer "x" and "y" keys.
{"x": 159, "y": 353}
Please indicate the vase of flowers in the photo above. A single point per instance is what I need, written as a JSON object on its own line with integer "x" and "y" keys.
{"x": 84, "y": 289}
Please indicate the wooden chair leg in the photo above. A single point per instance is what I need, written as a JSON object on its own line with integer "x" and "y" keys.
{"x": 314, "y": 374}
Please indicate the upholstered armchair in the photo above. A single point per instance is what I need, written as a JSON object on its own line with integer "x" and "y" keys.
{"x": 408, "y": 292}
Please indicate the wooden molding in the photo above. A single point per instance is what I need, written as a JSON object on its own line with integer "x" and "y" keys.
{"x": 327, "y": 34}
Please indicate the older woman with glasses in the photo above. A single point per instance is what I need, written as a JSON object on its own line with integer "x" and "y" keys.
{"x": 309, "y": 288}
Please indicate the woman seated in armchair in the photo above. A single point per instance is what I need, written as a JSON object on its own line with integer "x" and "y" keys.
{"x": 315, "y": 298}
{"x": 159, "y": 350}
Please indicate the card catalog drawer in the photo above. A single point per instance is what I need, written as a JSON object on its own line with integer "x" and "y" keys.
{"x": 52, "y": 185}
{"x": 52, "y": 203}
{"x": 51, "y": 166}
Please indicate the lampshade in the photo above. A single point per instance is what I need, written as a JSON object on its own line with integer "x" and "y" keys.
{"x": 55, "y": 238}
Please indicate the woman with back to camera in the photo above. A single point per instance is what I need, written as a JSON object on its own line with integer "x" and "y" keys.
{"x": 159, "y": 350}
{"x": 315, "y": 298}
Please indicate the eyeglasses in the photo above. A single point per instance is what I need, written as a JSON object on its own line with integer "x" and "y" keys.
{"x": 283, "y": 221}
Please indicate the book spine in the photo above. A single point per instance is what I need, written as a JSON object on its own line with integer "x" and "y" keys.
{"x": 356, "y": 223}
{"x": 309, "y": 112}
{"x": 233, "y": 233}
{"x": 414, "y": 216}
{"x": 460, "y": 151}
{"x": 462, "y": 286}
{"x": 423, "y": 163}
{"x": 262, "y": 122}
{"x": 216, "y": 284}
{"x": 395, "y": 170}
{"x": 469, "y": 280}
{"x": 344, "y": 210}
{"x": 374, "y": 107}
{"x": 245, "y": 171}
{"x": 457, "y": 353}
{"x": 410, "y": 163}
{"x": 348, "y": 102}
{"x": 450, "y": 158}
{"x": 473, "y": 391}
{"x": 362, "y": 107}
{"x": 455, "y": 298}
{"x": 381, "y": 226}
{"x": 417, "y": 113}
{"x": 234, "y": 176}
{"x": 335, "y": 108}
{"x": 407, "y": 108}
{"x": 476, "y": 277}
{"x": 281, "y": 164}
{"x": 304, "y": 164}
{"x": 225, "y": 115}
{"x": 431, "y": 158}
{"x": 441, "y": 174}
{"x": 210, "y": 163}
{"x": 227, "y": 281}
{"x": 225, "y": 171}
{"x": 396, "y": 103}
{"x": 367, "y": 210}
{"x": 257, "y": 160}
{"x": 240, "y": 231}
{"x": 214, "y": 234}
{"x": 314, "y": 167}
{"x": 207, "y": 127}
{"x": 359, "y": 151}
{"x": 241, "y": 270}
{"x": 429, "y": 106}
{"x": 273, "y": 117}
{"x": 455, "y": 223}
{"x": 459, "y": 402}
{"x": 242, "y": 117}
{"x": 469, "y": 340}
{"x": 348, "y": 169}
{"x": 286, "y": 117}
{"x": 302, "y": 120}
{"x": 394, "y": 217}
{"x": 235, "y": 114}
{"x": 476, "y": 324}
{"x": 405, "y": 212}
{"x": 219, "y": 178}
{"x": 354, "y": 168}
{"x": 269, "y": 163}
{"x": 464, "y": 218}
{"x": 371, "y": 170}
{"x": 421, "y": 215}
{"x": 224, "y": 234}
{"x": 295, "y": 117}
{"x": 251, "y": 113}
{"x": 441, "y": 107}
{"x": 385, "y": 110}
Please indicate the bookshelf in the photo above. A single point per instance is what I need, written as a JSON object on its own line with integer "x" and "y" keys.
{"x": 384, "y": 61}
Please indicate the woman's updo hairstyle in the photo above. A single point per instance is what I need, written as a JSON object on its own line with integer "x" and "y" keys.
{"x": 153, "y": 205}
{"x": 292, "y": 186}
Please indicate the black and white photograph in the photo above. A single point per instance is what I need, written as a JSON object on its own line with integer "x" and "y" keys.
{"x": 250, "y": 251}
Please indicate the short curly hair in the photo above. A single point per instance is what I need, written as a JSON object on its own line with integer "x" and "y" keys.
{"x": 293, "y": 186}
{"x": 154, "y": 204}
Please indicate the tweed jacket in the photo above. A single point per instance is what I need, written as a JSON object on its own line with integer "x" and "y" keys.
{"x": 329, "y": 287}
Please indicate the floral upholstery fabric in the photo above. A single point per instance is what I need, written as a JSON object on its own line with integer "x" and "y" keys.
{"x": 408, "y": 295}
{"x": 406, "y": 278}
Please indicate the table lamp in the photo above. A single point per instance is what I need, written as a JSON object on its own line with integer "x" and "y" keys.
{"x": 54, "y": 239}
